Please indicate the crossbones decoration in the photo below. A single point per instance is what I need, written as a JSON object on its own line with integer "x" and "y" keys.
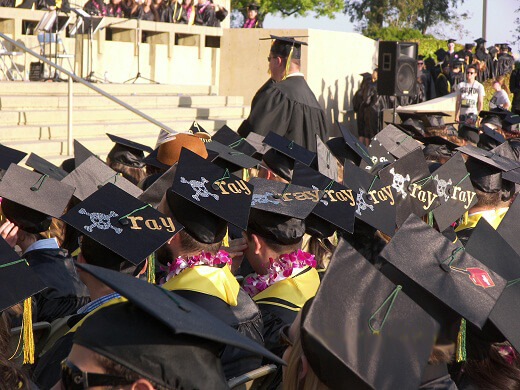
{"x": 200, "y": 188}
{"x": 321, "y": 200}
{"x": 399, "y": 181}
{"x": 442, "y": 186}
{"x": 361, "y": 203}
{"x": 258, "y": 198}
{"x": 100, "y": 221}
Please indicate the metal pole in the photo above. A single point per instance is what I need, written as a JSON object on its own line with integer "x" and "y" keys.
{"x": 69, "y": 119}
{"x": 484, "y": 19}
{"x": 89, "y": 85}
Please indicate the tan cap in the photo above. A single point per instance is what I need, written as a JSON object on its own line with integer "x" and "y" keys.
{"x": 170, "y": 151}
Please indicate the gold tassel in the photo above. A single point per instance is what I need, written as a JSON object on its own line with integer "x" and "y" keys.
{"x": 27, "y": 329}
{"x": 245, "y": 174}
{"x": 460, "y": 355}
{"x": 288, "y": 64}
{"x": 225, "y": 241}
{"x": 150, "y": 268}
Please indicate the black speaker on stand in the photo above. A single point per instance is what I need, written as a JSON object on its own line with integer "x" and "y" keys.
{"x": 397, "y": 69}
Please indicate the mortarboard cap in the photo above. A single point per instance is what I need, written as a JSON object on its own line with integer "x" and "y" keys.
{"x": 438, "y": 140}
{"x": 451, "y": 40}
{"x": 10, "y": 156}
{"x": 169, "y": 151}
{"x": 231, "y": 138}
{"x": 441, "y": 54}
{"x": 92, "y": 174}
{"x": 81, "y": 153}
{"x": 415, "y": 189}
{"x": 43, "y": 166}
{"x": 379, "y": 155}
{"x": 198, "y": 131}
{"x": 338, "y": 205}
{"x": 490, "y": 139}
{"x": 480, "y": 41}
{"x": 469, "y": 46}
{"x": 455, "y": 191}
{"x": 29, "y": 198}
{"x": 445, "y": 270}
{"x": 469, "y": 133}
{"x": 396, "y": 141}
{"x": 375, "y": 203}
{"x": 180, "y": 341}
{"x": 127, "y": 152}
{"x": 494, "y": 117}
{"x": 366, "y": 75}
{"x": 253, "y": 6}
{"x": 204, "y": 197}
{"x": 340, "y": 150}
{"x": 227, "y": 157}
{"x": 283, "y": 45}
{"x": 511, "y": 122}
{"x": 381, "y": 339}
{"x": 155, "y": 192}
{"x": 327, "y": 164}
{"x": 289, "y": 148}
{"x": 118, "y": 221}
{"x": 257, "y": 142}
{"x": 508, "y": 227}
{"x": 354, "y": 144}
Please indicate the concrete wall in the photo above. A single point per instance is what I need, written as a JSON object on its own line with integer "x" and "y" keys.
{"x": 331, "y": 63}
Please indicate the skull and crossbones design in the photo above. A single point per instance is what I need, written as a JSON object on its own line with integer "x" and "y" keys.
{"x": 326, "y": 203}
{"x": 442, "y": 186}
{"x": 263, "y": 199}
{"x": 399, "y": 182}
{"x": 100, "y": 221}
{"x": 361, "y": 203}
{"x": 200, "y": 188}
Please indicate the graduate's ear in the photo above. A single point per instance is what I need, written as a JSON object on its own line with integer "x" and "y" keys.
{"x": 258, "y": 244}
{"x": 141, "y": 384}
{"x": 304, "y": 368}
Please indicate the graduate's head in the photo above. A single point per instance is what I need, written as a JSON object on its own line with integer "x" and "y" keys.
{"x": 284, "y": 57}
{"x": 471, "y": 73}
{"x": 126, "y": 157}
{"x": 252, "y": 11}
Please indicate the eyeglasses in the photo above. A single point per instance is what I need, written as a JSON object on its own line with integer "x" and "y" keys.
{"x": 470, "y": 73}
{"x": 72, "y": 378}
{"x": 284, "y": 336}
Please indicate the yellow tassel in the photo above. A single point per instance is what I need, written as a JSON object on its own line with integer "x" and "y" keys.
{"x": 150, "y": 268}
{"x": 465, "y": 218}
{"x": 245, "y": 174}
{"x": 225, "y": 241}
{"x": 288, "y": 64}
{"x": 27, "y": 329}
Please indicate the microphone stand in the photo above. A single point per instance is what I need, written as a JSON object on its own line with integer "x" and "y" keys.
{"x": 138, "y": 75}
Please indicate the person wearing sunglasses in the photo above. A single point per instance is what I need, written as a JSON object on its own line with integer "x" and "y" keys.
{"x": 470, "y": 97}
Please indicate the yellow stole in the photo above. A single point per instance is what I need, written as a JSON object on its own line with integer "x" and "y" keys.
{"x": 106, "y": 304}
{"x": 217, "y": 282}
{"x": 493, "y": 217}
{"x": 295, "y": 291}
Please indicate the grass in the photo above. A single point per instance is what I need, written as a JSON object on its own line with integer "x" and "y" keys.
{"x": 489, "y": 91}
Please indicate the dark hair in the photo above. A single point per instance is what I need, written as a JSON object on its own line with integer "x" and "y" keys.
{"x": 276, "y": 246}
{"x": 96, "y": 254}
{"x": 132, "y": 174}
{"x": 11, "y": 377}
{"x": 471, "y": 66}
{"x": 113, "y": 368}
{"x": 322, "y": 249}
{"x": 190, "y": 244}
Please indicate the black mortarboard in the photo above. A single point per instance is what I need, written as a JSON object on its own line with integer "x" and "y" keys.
{"x": 278, "y": 210}
{"x": 445, "y": 270}
{"x": 43, "y": 166}
{"x": 283, "y": 45}
{"x": 118, "y": 221}
{"x": 33, "y": 191}
{"x": 81, "y": 153}
{"x": 337, "y": 206}
{"x": 17, "y": 279}
{"x": 441, "y": 54}
{"x": 413, "y": 184}
{"x": 231, "y": 138}
{"x": 396, "y": 141}
{"x": 257, "y": 142}
{"x": 469, "y": 46}
{"x": 438, "y": 140}
{"x": 10, "y": 156}
{"x": 199, "y": 131}
{"x": 379, "y": 155}
{"x": 161, "y": 335}
{"x": 340, "y": 150}
{"x": 227, "y": 157}
{"x": 508, "y": 227}
{"x": 490, "y": 139}
{"x": 511, "y": 123}
{"x": 92, "y": 174}
{"x": 366, "y": 75}
{"x": 370, "y": 335}
{"x": 469, "y": 133}
{"x": 253, "y": 6}
{"x": 455, "y": 191}
{"x": 327, "y": 164}
{"x": 492, "y": 50}
{"x": 420, "y": 57}
{"x": 451, "y": 40}
{"x": 155, "y": 192}
{"x": 127, "y": 152}
{"x": 375, "y": 203}
{"x": 411, "y": 126}
{"x": 494, "y": 117}
{"x": 204, "y": 197}
{"x": 504, "y": 46}
{"x": 354, "y": 144}
{"x": 289, "y": 148}
{"x": 480, "y": 41}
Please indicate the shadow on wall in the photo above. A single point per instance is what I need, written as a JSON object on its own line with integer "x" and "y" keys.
{"x": 336, "y": 109}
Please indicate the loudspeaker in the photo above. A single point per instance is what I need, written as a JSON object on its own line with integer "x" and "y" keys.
{"x": 36, "y": 71}
{"x": 397, "y": 68}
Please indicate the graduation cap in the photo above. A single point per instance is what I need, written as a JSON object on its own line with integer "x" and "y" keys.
{"x": 43, "y": 166}
{"x": 204, "y": 197}
{"x": 278, "y": 210}
{"x": 10, "y": 156}
{"x": 469, "y": 133}
{"x": 286, "y": 47}
{"x": 231, "y": 138}
{"x": 455, "y": 191}
{"x": 375, "y": 202}
{"x": 327, "y": 164}
{"x": 480, "y": 41}
{"x": 92, "y": 174}
{"x": 451, "y": 40}
{"x": 379, "y": 155}
{"x": 125, "y": 225}
{"x": 373, "y": 336}
{"x": 81, "y": 153}
{"x": 127, "y": 152}
{"x": 441, "y": 54}
{"x": 396, "y": 141}
{"x": 340, "y": 150}
{"x": 180, "y": 340}
{"x": 198, "y": 131}
{"x": 492, "y": 50}
{"x": 338, "y": 205}
{"x": 30, "y": 199}
{"x": 411, "y": 126}
{"x": 414, "y": 185}
{"x": 366, "y": 75}
{"x": 438, "y": 140}
{"x": 354, "y": 144}
{"x": 227, "y": 157}
{"x": 168, "y": 152}
{"x": 469, "y": 46}
{"x": 511, "y": 122}
{"x": 257, "y": 142}
{"x": 445, "y": 270}
{"x": 508, "y": 226}
{"x": 253, "y": 6}
{"x": 155, "y": 192}
{"x": 490, "y": 139}
{"x": 494, "y": 117}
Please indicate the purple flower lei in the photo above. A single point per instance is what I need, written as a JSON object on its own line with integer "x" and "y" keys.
{"x": 204, "y": 258}
{"x": 279, "y": 270}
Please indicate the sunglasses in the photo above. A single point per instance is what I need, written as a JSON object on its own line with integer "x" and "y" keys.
{"x": 72, "y": 378}
{"x": 285, "y": 340}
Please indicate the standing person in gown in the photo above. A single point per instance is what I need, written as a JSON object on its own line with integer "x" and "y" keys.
{"x": 286, "y": 106}
{"x": 252, "y": 20}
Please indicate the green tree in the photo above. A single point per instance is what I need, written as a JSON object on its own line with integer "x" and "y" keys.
{"x": 434, "y": 12}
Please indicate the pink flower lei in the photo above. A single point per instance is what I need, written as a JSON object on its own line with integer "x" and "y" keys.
{"x": 279, "y": 270}
{"x": 204, "y": 258}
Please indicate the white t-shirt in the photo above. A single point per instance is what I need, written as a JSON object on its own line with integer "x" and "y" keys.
{"x": 469, "y": 94}
{"x": 499, "y": 98}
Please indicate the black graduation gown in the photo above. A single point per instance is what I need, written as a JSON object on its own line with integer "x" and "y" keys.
{"x": 456, "y": 78}
{"x": 437, "y": 377}
{"x": 429, "y": 84}
{"x": 505, "y": 64}
{"x": 65, "y": 293}
{"x": 288, "y": 108}
{"x": 442, "y": 85}
{"x": 514, "y": 87}
{"x": 172, "y": 13}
